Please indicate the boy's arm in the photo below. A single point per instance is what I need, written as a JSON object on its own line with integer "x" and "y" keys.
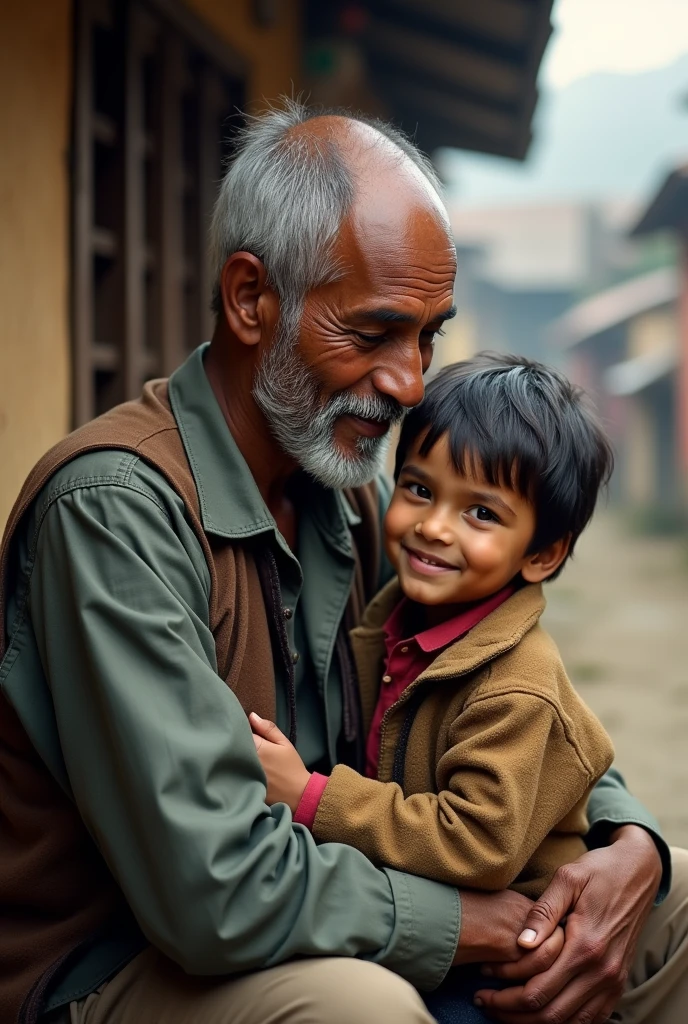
{"x": 510, "y": 776}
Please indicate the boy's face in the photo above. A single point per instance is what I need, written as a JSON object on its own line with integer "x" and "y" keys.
{"x": 453, "y": 537}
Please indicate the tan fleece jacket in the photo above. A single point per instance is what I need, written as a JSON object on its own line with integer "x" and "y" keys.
{"x": 495, "y": 756}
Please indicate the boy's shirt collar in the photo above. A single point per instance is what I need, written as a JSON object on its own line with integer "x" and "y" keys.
{"x": 437, "y": 637}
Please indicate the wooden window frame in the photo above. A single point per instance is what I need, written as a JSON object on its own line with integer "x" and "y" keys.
{"x": 145, "y": 175}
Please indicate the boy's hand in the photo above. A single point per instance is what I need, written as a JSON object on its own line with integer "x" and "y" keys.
{"x": 286, "y": 773}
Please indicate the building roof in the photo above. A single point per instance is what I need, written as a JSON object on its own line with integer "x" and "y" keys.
{"x": 614, "y": 306}
{"x": 529, "y": 247}
{"x": 668, "y": 209}
{"x": 634, "y": 375}
{"x": 451, "y": 72}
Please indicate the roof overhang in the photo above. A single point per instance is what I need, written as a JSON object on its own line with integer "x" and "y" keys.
{"x": 456, "y": 73}
{"x": 668, "y": 210}
{"x": 614, "y": 307}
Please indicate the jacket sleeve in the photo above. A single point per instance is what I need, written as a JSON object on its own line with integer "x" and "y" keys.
{"x": 160, "y": 761}
{"x": 510, "y": 776}
{"x": 611, "y": 806}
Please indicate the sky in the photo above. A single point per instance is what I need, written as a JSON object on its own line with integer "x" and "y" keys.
{"x": 613, "y": 35}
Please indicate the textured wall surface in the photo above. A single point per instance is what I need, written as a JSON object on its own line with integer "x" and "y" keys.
{"x": 35, "y": 83}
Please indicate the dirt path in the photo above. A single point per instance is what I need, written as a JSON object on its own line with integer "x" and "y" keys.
{"x": 620, "y": 617}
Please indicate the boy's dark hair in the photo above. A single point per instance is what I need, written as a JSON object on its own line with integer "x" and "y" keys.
{"x": 522, "y": 424}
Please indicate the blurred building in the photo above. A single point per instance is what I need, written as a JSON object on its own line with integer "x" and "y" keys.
{"x": 628, "y": 345}
{"x": 667, "y": 212}
{"x": 116, "y": 118}
{"x": 520, "y": 268}
{"x": 524, "y": 265}
{"x": 622, "y": 346}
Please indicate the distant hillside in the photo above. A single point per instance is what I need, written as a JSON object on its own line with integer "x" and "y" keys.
{"x": 604, "y": 136}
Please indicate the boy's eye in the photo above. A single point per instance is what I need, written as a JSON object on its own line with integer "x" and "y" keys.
{"x": 482, "y": 514}
{"x": 419, "y": 490}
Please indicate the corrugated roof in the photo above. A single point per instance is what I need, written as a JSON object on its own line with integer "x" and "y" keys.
{"x": 614, "y": 306}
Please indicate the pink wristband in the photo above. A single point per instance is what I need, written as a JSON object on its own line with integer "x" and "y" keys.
{"x": 310, "y": 798}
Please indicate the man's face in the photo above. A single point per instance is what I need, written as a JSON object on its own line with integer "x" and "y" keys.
{"x": 357, "y": 359}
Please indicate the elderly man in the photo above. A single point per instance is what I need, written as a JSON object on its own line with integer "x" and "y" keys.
{"x": 199, "y": 554}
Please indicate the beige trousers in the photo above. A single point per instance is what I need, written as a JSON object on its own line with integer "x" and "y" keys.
{"x": 152, "y": 990}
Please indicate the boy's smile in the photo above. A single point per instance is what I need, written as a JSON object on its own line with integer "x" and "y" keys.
{"x": 453, "y": 537}
{"x": 426, "y": 564}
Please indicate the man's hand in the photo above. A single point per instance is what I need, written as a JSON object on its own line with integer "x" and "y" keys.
{"x": 490, "y": 926}
{"x": 606, "y": 897}
{"x": 286, "y": 773}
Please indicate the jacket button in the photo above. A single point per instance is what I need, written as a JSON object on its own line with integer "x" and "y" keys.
{"x": 287, "y": 612}
{"x": 295, "y": 657}
{"x": 404, "y": 650}
{"x": 386, "y": 679}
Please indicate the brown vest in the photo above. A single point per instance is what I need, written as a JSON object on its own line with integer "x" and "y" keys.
{"x": 56, "y": 892}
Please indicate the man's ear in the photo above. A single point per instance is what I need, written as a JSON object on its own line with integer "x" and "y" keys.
{"x": 250, "y": 306}
{"x": 539, "y": 566}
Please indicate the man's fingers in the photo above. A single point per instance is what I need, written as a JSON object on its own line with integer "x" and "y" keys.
{"x": 537, "y": 961}
{"x": 267, "y": 729}
{"x": 597, "y": 1011}
{"x": 552, "y": 907}
{"x": 579, "y": 1002}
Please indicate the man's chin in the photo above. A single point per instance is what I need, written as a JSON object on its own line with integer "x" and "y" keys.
{"x": 347, "y": 469}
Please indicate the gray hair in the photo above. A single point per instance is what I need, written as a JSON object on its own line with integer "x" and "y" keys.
{"x": 285, "y": 196}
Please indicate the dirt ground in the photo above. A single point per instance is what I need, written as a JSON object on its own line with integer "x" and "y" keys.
{"x": 620, "y": 616}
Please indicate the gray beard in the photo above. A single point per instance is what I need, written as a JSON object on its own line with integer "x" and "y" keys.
{"x": 288, "y": 395}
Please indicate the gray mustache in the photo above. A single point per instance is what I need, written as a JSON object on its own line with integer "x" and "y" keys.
{"x": 367, "y": 408}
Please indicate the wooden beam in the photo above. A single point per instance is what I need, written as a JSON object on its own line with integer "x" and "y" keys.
{"x": 134, "y": 247}
{"x": 209, "y": 176}
{"x": 169, "y": 172}
{"x": 82, "y": 206}
{"x": 467, "y": 115}
{"x": 458, "y": 66}
{"x": 505, "y": 21}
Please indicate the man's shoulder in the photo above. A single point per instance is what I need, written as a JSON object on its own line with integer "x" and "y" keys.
{"x": 108, "y": 479}
{"x": 107, "y": 468}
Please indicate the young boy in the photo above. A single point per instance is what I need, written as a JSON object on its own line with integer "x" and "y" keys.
{"x": 480, "y": 754}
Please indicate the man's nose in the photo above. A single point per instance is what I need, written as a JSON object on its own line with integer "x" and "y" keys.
{"x": 402, "y": 379}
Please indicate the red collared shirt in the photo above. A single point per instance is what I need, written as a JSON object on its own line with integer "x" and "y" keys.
{"x": 406, "y": 659}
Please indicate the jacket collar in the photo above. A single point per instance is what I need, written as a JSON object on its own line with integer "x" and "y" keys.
{"x": 231, "y": 504}
{"x": 444, "y": 633}
{"x": 497, "y": 633}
